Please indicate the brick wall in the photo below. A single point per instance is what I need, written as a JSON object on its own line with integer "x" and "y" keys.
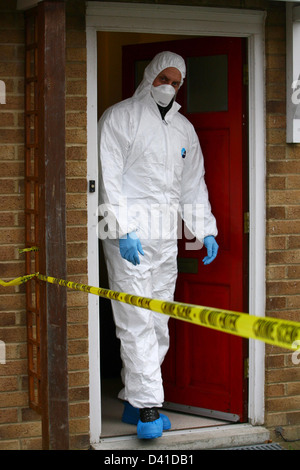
{"x": 76, "y": 171}
{"x": 20, "y": 427}
{"x": 283, "y": 240}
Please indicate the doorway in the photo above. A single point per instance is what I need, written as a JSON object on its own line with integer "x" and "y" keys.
{"x": 214, "y": 98}
{"x": 223, "y": 119}
{"x": 187, "y": 21}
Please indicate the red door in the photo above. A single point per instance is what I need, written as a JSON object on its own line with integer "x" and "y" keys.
{"x": 204, "y": 369}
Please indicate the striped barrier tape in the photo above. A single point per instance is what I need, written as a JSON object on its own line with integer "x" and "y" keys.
{"x": 273, "y": 331}
{"x": 277, "y": 332}
{"x": 17, "y": 281}
{"x": 32, "y": 248}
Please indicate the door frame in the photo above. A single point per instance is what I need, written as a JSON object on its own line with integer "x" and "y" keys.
{"x": 187, "y": 20}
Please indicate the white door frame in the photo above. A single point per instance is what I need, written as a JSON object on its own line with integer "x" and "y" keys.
{"x": 173, "y": 19}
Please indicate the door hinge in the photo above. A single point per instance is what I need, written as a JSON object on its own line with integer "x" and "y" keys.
{"x": 246, "y": 222}
{"x": 246, "y": 368}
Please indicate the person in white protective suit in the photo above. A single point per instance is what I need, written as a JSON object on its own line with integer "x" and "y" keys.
{"x": 151, "y": 169}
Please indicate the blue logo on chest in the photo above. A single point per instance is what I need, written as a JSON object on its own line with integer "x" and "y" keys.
{"x": 183, "y": 152}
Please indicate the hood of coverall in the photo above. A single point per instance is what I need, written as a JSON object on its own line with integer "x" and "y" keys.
{"x": 161, "y": 61}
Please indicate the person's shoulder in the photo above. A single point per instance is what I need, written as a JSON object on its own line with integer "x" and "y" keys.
{"x": 120, "y": 109}
{"x": 184, "y": 120}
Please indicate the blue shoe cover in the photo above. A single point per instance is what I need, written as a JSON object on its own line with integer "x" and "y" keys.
{"x": 150, "y": 430}
{"x": 131, "y": 415}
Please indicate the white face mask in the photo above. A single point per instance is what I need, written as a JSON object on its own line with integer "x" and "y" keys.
{"x": 163, "y": 94}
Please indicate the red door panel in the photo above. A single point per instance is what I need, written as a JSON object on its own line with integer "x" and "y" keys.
{"x": 205, "y": 368}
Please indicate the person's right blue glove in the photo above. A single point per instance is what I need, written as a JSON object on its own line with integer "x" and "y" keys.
{"x": 130, "y": 247}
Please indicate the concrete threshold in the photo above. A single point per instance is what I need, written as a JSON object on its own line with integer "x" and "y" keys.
{"x": 215, "y": 437}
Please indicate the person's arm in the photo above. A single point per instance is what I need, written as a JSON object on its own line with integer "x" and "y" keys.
{"x": 114, "y": 135}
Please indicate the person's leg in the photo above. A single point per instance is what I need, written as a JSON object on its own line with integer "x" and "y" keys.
{"x": 135, "y": 328}
{"x": 164, "y": 275}
{"x": 139, "y": 353}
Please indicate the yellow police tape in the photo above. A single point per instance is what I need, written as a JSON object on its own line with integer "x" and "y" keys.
{"x": 32, "y": 248}
{"x": 277, "y": 332}
{"x": 273, "y": 331}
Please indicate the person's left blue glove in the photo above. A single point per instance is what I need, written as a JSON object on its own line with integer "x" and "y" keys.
{"x": 212, "y": 249}
{"x": 130, "y": 247}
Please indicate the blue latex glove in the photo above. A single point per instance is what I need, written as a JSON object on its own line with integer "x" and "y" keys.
{"x": 130, "y": 247}
{"x": 212, "y": 249}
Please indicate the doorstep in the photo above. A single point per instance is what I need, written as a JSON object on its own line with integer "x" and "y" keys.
{"x": 214, "y": 437}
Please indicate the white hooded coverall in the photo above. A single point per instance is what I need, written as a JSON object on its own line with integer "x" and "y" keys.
{"x": 148, "y": 165}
